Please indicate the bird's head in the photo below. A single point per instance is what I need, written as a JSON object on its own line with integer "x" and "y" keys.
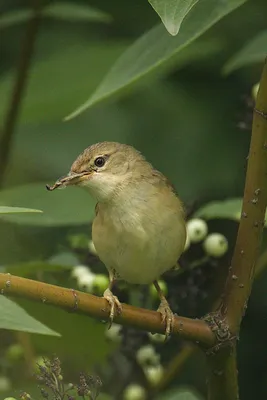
{"x": 103, "y": 168}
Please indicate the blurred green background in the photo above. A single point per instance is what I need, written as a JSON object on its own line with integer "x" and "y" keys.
{"x": 190, "y": 116}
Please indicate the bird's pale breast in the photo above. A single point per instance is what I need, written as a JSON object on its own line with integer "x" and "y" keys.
{"x": 140, "y": 239}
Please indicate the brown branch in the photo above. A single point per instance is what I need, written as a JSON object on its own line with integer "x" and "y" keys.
{"x": 222, "y": 375}
{"x": 84, "y": 303}
{"x": 24, "y": 62}
{"x": 248, "y": 242}
{"x": 222, "y": 382}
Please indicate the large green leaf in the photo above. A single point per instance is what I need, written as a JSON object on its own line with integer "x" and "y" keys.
{"x": 86, "y": 63}
{"x": 156, "y": 47}
{"x": 228, "y": 209}
{"x": 14, "y": 317}
{"x": 71, "y": 206}
{"x": 253, "y": 52}
{"x": 60, "y": 10}
{"x": 16, "y": 210}
{"x": 172, "y": 12}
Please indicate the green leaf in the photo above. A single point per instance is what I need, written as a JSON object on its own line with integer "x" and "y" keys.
{"x": 72, "y": 83}
{"x": 14, "y": 317}
{"x": 180, "y": 394}
{"x": 30, "y": 268}
{"x": 75, "y": 12}
{"x": 228, "y": 209}
{"x": 59, "y": 10}
{"x": 155, "y": 48}
{"x": 15, "y": 210}
{"x": 253, "y": 52}
{"x": 71, "y": 206}
{"x": 172, "y": 12}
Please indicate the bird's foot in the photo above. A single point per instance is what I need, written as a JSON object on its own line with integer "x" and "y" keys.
{"x": 167, "y": 317}
{"x": 115, "y": 305}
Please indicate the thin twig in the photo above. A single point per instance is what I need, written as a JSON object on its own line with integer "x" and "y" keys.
{"x": 84, "y": 303}
{"x": 20, "y": 82}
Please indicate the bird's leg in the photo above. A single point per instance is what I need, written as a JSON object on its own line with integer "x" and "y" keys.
{"x": 115, "y": 305}
{"x": 165, "y": 311}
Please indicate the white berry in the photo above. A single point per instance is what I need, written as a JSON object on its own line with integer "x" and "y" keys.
{"x": 86, "y": 281}
{"x": 154, "y": 374}
{"x": 216, "y": 245}
{"x": 134, "y": 392}
{"x": 147, "y": 355}
{"x": 79, "y": 270}
{"x": 157, "y": 337}
{"x": 197, "y": 230}
{"x": 92, "y": 248}
{"x": 114, "y": 333}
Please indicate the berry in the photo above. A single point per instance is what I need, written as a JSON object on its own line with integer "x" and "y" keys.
{"x": 147, "y": 355}
{"x": 79, "y": 270}
{"x": 114, "y": 333}
{"x": 15, "y": 352}
{"x": 197, "y": 230}
{"x": 154, "y": 374}
{"x": 134, "y": 392}
{"x": 153, "y": 291}
{"x": 216, "y": 245}
{"x": 100, "y": 282}
{"x": 86, "y": 281}
{"x": 157, "y": 337}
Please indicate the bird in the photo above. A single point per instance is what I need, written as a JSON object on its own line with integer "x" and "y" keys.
{"x": 139, "y": 229}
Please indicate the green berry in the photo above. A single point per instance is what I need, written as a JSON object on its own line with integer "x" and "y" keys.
{"x": 162, "y": 285}
{"x": 100, "y": 283}
{"x": 15, "y": 352}
{"x": 10, "y": 398}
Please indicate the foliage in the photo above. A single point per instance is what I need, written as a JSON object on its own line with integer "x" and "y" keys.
{"x": 179, "y": 101}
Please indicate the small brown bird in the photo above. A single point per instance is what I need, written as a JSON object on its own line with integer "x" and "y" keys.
{"x": 139, "y": 228}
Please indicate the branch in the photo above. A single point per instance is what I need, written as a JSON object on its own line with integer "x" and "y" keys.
{"x": 222, "y": 375}
{"x": 87, "y": 304}
{"x": 19, "y": 88}
{"x": 241, "y": 273}
{"x": 222, "y": 372}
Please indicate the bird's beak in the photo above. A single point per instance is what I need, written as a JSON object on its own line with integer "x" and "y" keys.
{"x": 71, "y": 179}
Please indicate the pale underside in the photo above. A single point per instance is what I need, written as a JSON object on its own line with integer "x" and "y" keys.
{"x": 140, "y": 239}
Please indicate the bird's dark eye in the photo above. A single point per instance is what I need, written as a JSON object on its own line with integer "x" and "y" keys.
{"x": 99, "y": 161}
